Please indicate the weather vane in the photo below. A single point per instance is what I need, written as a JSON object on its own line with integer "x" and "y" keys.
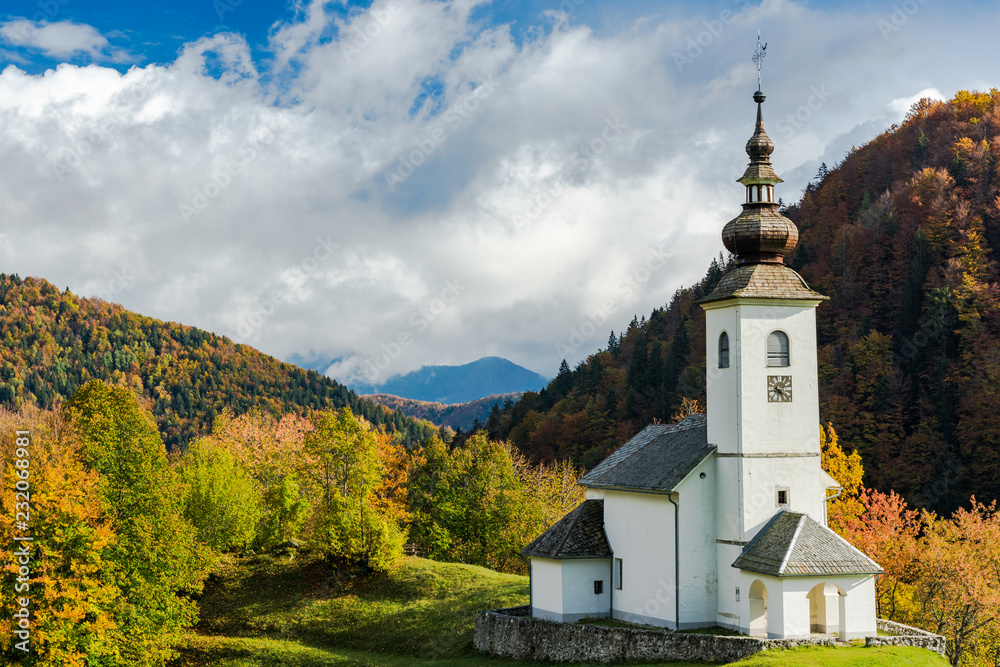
{"x": 758, "y": 57}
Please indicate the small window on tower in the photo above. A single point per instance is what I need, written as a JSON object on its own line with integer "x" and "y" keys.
{"x": 782, "y": 496}
{"x": 598, "y": 587}
{"x": 777, "y": 349}
{"x": 618, "y": 574}
{"x": 724, "y": 350}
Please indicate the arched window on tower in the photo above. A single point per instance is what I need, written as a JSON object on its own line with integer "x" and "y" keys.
{"x": 724, "y": 350}
{"x": 777, "y": 349}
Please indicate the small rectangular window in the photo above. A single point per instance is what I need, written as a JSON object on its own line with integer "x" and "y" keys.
{"x": 782, "y": 496}
{"x": 737, "y": 593}
{"x": 598, "y": 587}
{"x": 618, "y": 574}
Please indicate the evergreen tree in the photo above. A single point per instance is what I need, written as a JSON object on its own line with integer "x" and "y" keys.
{"x": 563, "y": 382}
{"x": 613, "y": 346}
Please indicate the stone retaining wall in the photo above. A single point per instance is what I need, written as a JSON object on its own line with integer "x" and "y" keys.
{"x": 907, "y": 636}
{"x": 514, "y": 634}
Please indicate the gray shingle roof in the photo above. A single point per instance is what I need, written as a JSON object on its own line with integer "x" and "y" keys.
{"x": 579, "y": 534}
{"x": 794, "y": 544}
{"x": 762, "y": 281}
{"x": 656, "y": 459}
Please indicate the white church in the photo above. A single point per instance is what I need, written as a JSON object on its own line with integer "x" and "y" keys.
{"x": 720, "y": 520}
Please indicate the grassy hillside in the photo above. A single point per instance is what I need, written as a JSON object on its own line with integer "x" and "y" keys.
{"x": 259, "y": 611}
{"x": 54, "y": 342}
{"x": 458, "y": 415}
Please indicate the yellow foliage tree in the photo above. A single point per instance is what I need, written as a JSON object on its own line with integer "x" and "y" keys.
{"x": 70, "y": 620}
{"x": 846, "y": 469}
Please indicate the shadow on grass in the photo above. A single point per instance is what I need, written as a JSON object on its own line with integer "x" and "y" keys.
{"x": 422, "y": 608}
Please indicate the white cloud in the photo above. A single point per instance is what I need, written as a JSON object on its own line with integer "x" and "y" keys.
{"x": 63, "y": 39}
{"x": 901, "y": 106}
{"x": 250, "y": 197}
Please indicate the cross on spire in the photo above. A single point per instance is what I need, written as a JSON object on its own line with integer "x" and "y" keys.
{"x": 758, "y": 57}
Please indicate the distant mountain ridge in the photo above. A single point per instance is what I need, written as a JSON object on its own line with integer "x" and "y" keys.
{"x": 449, "y": 385}
{"x": 458, "y": 415}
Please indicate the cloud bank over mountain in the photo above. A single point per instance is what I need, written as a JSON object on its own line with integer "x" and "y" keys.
{"x": 411, "y": 183}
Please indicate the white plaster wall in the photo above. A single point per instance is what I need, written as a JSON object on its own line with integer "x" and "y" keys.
{"x": 640, "y": 528}
{"x": 775, "y": 602}
{"x": 728, "y": 515}
{"x": 722, "y": 384}
{"x": 860, "y": 604}
{"x": 795, "y": 620}
{"x": 742, "y": 421}
{"x": 728, "y": 613}
{"x": 788, "y": 614}
{"x": 579, "y": 599}
{"x": 766, "y": 427}
{"x": 699, "y": 574}
{"x": 803, "y": 478}
{"x": 595, "y": 494}
{"x": 546, "y": 589}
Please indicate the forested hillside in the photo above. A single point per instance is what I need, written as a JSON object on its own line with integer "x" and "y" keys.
{"x": 54, "y": 342}
{"x": 903, "y": 236}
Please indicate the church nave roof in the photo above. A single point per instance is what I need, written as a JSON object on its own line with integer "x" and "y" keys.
{"x": 656, "y": 459}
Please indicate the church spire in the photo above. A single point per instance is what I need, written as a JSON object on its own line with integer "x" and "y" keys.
{"x": 761, "y": 234}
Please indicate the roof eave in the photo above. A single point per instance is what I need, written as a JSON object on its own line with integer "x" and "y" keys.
{"x": 548, "y": 557}
{"x": 614, "y": 487}
{"x": 858, "y": 573}
{"x": 713, "y": 301}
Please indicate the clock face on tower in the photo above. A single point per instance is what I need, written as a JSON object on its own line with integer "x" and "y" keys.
{"x": 779, "y": 388}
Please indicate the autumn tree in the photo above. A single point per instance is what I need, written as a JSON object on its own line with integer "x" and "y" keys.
{"x": 483, "y": 502}
{"x": 285, "y": 513}
{"x": 848, "y": 471}
{"x": 352, "y": 524}
{"x": 959, "y": 581}
{"x": 154, "y": 559}
{"x": 72, "y": 602}
{"x": 887, "y": 531}
{"x": 272, "y": 450}
{"x": 220, "y": 499}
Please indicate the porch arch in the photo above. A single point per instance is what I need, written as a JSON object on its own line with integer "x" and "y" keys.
{"x": 828, "y": 609}
{"x": 758, "y": 609}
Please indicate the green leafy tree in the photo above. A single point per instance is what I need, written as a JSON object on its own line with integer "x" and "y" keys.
{"x": 220, "y": 498}
{"x": 348, "y": 471}
{"x": 285, "y": 512}
{"x": 155, "y": 559}
{"x": 482, "y": 502}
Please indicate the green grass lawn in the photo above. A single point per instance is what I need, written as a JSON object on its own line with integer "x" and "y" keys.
{"x": 263, "y": 612}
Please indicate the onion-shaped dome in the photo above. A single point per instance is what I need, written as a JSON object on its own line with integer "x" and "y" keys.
{"x": 760, "y": 234}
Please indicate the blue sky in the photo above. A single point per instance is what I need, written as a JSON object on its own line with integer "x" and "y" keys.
{"x": 150, "y": 33}
{"x": 412, "y": 182}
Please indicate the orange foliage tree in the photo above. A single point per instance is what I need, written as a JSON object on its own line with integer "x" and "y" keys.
{"x": 70, "y": 601}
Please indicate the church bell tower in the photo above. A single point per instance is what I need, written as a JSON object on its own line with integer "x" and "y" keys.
{"x": 761, "y": 368}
